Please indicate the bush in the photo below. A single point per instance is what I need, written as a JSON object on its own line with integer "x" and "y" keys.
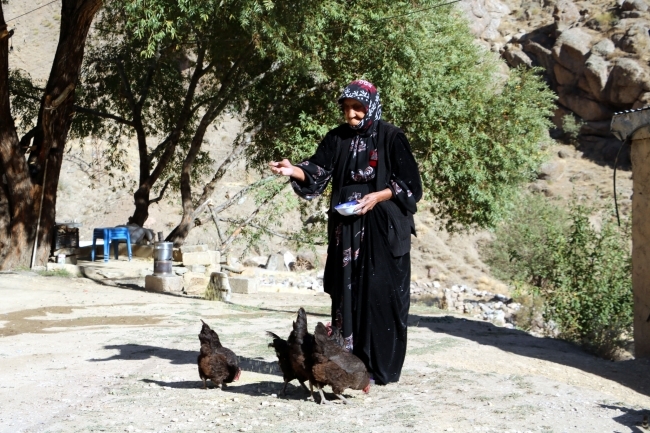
{"x": 583, "y": 274}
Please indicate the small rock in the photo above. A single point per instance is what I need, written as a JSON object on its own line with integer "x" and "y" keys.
{"x": 634, "y": 5}
{"x": 603, "y": 48}
{"x": 564, "y": 154}
{"x": 301, "y": 413}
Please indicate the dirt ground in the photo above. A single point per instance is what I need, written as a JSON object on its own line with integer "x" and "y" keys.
{"x": 78, "y": 356}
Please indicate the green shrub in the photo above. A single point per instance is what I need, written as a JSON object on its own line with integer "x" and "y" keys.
{"x": 571, "y": 127}
{"x": 582, "y": 274}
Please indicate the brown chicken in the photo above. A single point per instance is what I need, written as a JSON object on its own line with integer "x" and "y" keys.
{"x": 336, "y": 367}
{"x": 217, "y": 363}
{"x": 282, "y": 352}
{"x": 301, "y": 344}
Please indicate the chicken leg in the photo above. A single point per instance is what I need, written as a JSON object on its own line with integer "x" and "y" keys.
{"x": 340, "y": 396}
{"x": 323, "y": 400}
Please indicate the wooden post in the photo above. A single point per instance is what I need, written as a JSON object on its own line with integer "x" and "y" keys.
{"x": 640, "y": 152}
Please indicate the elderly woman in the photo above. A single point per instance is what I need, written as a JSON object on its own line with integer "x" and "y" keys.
{"x": 368, "y": 267}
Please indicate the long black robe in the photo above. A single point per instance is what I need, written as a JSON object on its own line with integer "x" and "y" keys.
{"x": 368, "y": 268}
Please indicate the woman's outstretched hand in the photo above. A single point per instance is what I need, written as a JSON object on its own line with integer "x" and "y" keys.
{"x": 368, "y": 202}
{"x": 285, "y": 168}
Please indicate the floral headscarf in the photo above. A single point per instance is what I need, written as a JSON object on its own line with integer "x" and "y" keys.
{"x": 366, "y": 93}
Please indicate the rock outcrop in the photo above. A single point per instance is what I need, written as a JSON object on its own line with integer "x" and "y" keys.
{"x": 594, "y": 53}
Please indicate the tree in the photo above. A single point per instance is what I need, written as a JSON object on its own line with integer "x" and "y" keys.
{"x": 281, "y": 66}
{"x": 28, "y": 189}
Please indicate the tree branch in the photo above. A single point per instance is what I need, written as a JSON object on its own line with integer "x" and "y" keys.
{"x": 162, "y": 193}
{"x": 169, "y": 143}
{"x": 242, "y": 192}
{"x": 27, "y": 138}
{"x": 225, "y": 245}
{"x": 151, "y": 70}
{"x": 98, "y": 113}
{"x": 127, "y": 85}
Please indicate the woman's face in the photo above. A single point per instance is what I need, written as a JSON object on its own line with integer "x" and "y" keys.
{"x": 354, "y": 111}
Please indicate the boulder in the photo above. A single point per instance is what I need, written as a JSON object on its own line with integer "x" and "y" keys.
{"x": 596, "y": 75}
{"x": 516, "y": 57}
{"x": 601, "y": 128}
{"x": 571, "y": 48}
{"x": 565, "y": 11}
{"x": 634, "y": 5}
{"x": 275, "y": 262}
{"x": 625, "y": 82}
{"x": 584, "y": 107}
{"x": 603, "y": 48}
{"x": 543, "y": 55}
{"x": 636, "y": 39}
{"x": 563, "y": 76}
{"x": 558, "y": 116}
{"x": 484, "y": 16}
{"x": 642, "y": 101}
{"x": 551, "y": 170}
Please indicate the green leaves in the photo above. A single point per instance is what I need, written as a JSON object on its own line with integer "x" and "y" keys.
{"x": 582, "y": 273}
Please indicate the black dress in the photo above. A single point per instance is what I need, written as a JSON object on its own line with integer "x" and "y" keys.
{"x": 368, "y": 267}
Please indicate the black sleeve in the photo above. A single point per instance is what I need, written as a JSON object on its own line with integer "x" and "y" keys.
{"x": 405, "y": 176}
{"x": 318, "y": 169}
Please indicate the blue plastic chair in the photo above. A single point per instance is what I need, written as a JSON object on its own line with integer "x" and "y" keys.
{"x": 111, "y": 234}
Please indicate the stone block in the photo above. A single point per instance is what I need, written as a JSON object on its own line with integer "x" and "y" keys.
{"x": 215, "y": 256}
{"x": 246, "y": 286}
{"x": 72, "y": 269}
{"x": 219, "y": 287}
{"x": 194, "y": 249}
{"x": 157, "y": 283}
{"x": 625, "y": 82}
{"x": 195, "y": 283}
{"x": 199, "y": 269}
{"x": 209, "y": 270}
{"x": 571, "y": 49}
{"x": 197, "y": 258}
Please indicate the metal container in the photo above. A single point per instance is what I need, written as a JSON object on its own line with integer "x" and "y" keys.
{"x": 162, "y": 267}
{"x": 162, "y": 251}
{"x": 162, "y": 258}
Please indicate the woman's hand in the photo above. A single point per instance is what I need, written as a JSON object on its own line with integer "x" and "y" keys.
{"x": 369, "y": 201}
{"x": 285, "y": 168}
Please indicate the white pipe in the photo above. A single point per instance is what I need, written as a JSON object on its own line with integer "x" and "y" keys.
{"x": 40, "y": 212}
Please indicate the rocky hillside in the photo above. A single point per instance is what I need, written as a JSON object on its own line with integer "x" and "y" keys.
{"x": 594, "y": 54}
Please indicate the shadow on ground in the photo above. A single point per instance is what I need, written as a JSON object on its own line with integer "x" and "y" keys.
{"x": 630, "y": 418}
{"x": 632, "y": 374}
{"x": 140, "y": 352}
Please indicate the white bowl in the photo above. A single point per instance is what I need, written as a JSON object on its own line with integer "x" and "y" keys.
{"x": 347, "y": 209}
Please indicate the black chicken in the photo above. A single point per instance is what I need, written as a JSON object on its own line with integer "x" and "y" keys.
{"x": 301, "y": 345}
{"x": 335, "y": 366}
{"x": 282, "y": 352}
{"x": 217, "y": 363}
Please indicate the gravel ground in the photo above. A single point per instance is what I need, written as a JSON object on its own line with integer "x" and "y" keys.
{"x": 77, "y": 356}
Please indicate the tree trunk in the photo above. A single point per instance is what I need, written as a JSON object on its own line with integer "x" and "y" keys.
{"x": 179, "y": 234}
{"x": 37, "y": 179}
